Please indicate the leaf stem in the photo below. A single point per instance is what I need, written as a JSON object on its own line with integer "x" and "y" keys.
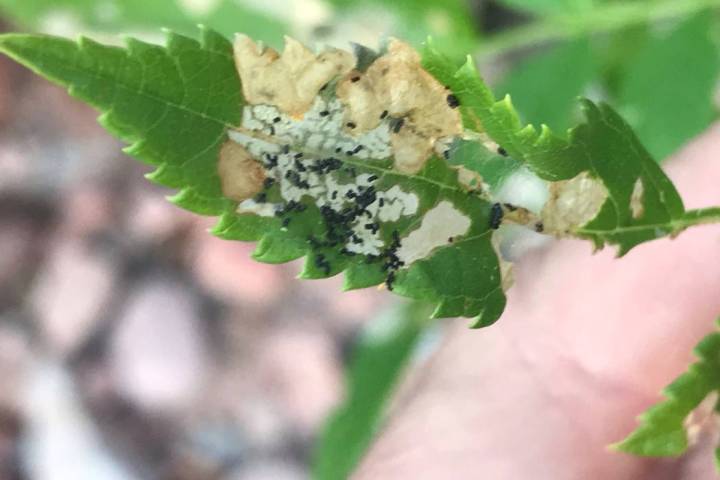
{"x": 699, "y": 216}
{"x": 602, "y": 20}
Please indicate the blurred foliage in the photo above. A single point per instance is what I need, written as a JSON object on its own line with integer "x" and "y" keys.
{"x": 119, "y": 16}
{"x": 544, "y": 7}
{"x": 668, "y": 87}
{"x": 449, "y": 22}
{"x": 545, "y": 87}
{"x": 656, "y": 61}
{"x": 664, "y": 427}
{"x": 379, "y": 360}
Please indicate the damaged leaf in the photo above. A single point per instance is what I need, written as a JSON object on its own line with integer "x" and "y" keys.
{"x": 306, "y": 153}
{"x": 604, "y": 186}
{"x": 383, "y": 169}
{"x": 397, "y": 86}
{"x": 355, "y": 180}
{"x": 619, "y": 161}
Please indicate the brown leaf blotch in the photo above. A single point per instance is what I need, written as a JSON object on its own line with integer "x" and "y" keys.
{"x": 573, "y": 203}
{"x": 397, "y": 83}
{"x": 241, "y": 176}
{"x": 637, "y": 208}
{"x": 290, "y": 80}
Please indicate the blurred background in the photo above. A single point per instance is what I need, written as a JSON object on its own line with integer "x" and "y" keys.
{"x": 134, "y": 345}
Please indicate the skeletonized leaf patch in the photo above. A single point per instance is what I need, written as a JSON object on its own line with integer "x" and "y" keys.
{"x": 353, "y": 175}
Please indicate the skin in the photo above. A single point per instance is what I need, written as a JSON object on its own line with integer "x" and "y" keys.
{"x": 586, "y": 344}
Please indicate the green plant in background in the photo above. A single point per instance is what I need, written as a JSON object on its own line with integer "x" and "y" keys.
{"x": 664, "y": 428}
{"x": 182, "y": 109}
{"x": 119, "y": 16}
{"x": 384, "y": 350}
{"x": 449, "y": 22}
{"x": 618, "y": 50}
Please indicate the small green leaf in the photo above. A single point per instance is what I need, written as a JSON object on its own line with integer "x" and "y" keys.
{"x": 377, "y": 364}
{"x": 499, "y": 119}
{"x": 662, "y": 430}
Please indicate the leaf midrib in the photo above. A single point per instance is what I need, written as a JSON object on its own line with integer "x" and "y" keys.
{"x": 365, "y": 164}
{"x": 690, "y": 218}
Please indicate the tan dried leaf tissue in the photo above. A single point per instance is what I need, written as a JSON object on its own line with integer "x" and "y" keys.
{"x": 241, "y": 176}
{"x": 573, "y": 203}
{"x": 394, "y": 87}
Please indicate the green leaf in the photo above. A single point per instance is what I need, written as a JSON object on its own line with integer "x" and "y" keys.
{"x": 172, "y": 104}
{"x": 636, "y": 201}
{"x": 662, "y": 430}
{"x": 118, "y": 16}
{"x": 545, "y": 87}
{"x": 377, "y": 364}
{"x": 667, "y": 91}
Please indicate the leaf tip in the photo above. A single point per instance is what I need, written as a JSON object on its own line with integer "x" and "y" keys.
{"x": 617, "y": 447}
